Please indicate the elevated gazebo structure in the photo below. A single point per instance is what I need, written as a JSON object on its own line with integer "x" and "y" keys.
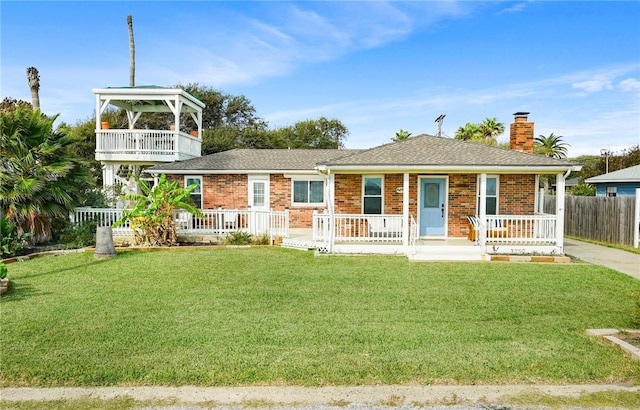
{"x": 134, "y": 148}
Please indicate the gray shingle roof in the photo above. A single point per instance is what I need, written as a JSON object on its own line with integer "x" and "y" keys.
{"x": 427, "y": 150}
{"x": 421, "y": 151}
{"x": 631, "y": 174}
{"x": 256, "y": 159}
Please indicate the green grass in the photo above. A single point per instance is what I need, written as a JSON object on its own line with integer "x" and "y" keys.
{"x": 253, "y": 316}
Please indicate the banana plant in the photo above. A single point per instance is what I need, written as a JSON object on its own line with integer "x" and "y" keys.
{"x": 152, "y": 217}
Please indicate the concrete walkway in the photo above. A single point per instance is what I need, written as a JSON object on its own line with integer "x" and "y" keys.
{"x": 310, "y": 395}
{"x": 625, "y": 262}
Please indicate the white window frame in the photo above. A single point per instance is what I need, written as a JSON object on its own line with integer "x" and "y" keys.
{"x": 497, "y": 195}
{"x": 307, "y": 179}
{"x": 364, "y": 178}
{"x": 611, "y": 189}
{"x": 186, "y": 184}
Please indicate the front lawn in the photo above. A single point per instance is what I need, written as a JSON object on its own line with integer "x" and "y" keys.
{"x": 275, "y": 316}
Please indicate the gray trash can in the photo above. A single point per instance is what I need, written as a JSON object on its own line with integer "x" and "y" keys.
{"x": 104, "y": 243}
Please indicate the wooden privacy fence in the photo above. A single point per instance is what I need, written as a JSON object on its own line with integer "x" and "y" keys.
{"x": 601, "y": 218}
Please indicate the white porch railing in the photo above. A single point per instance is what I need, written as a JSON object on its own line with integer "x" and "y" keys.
{"x": 358, "y": 228}
{"x": 147, "y": 144}
{"x": 521, "y": 229}
{"x": 217, "y": 222}
{"x": 413, "y": 231}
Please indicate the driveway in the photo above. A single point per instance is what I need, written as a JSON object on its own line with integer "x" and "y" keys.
{"x": 625, "y": 262}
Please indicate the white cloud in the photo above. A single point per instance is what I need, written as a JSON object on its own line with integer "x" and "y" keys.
{"x": 594, "y": 85}
{"x": 629, "y": 85}
{"x": 516, "y": 8}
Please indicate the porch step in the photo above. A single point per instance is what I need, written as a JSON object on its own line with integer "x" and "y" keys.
{"x": 447, "y": 253}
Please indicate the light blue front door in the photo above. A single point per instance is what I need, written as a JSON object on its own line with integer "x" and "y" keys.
{"x": 432, "y": 206}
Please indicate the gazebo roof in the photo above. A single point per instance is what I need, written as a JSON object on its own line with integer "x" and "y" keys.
{"x": 148, "y": 98}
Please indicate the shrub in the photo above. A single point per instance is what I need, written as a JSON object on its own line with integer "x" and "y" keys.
{"x": 10, "y": 242}
{"x": 79, "y": 236}
{"x": 261, "y": 240}
{"x": 238, "y": 238}
{"x": 3, "y": 270}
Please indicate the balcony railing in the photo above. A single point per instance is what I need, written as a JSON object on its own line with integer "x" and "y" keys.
{"x": 215, "y": 222}
{"x": 146, "y": 145}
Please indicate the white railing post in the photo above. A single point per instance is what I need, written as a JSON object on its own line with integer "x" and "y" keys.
{"x": 405, "y": 210}
{"x": 482, "y": 218}
{"x": 636, "y": 219}
{"x": 560, "y": 212}
{"x": 332, "y": 220}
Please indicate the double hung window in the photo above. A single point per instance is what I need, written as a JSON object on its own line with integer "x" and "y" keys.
{"x": 372, "y": 194}
{"x": 492, "y": 195}
{"x": 196, "y": 194}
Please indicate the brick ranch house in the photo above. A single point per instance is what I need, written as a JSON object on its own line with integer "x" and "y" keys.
{"x": 427, "y": 197}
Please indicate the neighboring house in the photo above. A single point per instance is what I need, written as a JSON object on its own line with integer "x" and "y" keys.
{"x": 568, "y": 184}
{"x": 621, "y": 182}
{"x": 423, "y": 196}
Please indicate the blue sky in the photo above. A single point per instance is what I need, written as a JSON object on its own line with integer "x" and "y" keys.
{"x": 376, "y": 66}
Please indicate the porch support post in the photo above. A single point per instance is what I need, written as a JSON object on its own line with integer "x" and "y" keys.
{"x": 560, "y": 212}
{"x": 405, "y": 210}
{"x": 98, "y": 112}
{"x": 482, "y": 218}
{"x": 108, "y": 175}
{"x": 331, "y": 206}
{"x": 536, "y": 196}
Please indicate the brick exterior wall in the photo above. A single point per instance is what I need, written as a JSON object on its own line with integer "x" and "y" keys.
{"x": 348, "y": 188}
{"x": 517, "y": 194}
{"x": 463, "y": 190}
{"x": 230, "y": 191}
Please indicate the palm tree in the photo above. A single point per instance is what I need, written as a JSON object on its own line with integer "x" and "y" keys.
{"x": 132, "y": 53}
{"x": 550, "y": 146}
{"x": 491, "y": 128}
{"x": 470, "y": 132}
{"x": 40, "y": 179}
{"x": 485, "y": 132}
{"x": 401, "y": 135}
{"x": 34, "y": 84}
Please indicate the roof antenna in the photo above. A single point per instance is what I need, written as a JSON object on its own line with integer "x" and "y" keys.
{"x": 439, "y": 121}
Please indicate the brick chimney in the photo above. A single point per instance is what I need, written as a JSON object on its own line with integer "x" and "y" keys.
{"x": 521, "y": 136}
